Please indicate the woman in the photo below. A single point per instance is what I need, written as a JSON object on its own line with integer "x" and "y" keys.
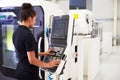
{"x": 26, "y": 47}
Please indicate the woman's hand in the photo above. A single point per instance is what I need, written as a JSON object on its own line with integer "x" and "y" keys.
{"x": 48, "y": 52}
{"x": 53, "y": 63}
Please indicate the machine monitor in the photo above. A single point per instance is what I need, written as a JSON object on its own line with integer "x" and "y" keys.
{"x": 59, "y": 28}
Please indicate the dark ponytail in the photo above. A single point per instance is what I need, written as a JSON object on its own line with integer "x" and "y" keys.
{"x": 27, "y": 11}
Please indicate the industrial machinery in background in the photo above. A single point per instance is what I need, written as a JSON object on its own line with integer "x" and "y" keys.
{"x": 83, "y": 42}
{"x": 83, "y": 59}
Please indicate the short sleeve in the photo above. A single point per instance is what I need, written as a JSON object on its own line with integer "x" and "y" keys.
{"x": 30, "y": 42}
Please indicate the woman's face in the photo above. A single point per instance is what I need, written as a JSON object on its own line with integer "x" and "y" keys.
{"x": 32, "y": 21}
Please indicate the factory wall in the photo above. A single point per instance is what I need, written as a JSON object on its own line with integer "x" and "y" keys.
{"x": 103, "y": 13}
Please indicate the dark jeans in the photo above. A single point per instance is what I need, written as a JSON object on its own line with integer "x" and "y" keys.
{"x": 26, "y": 74}
{"x": 22, "y": 75}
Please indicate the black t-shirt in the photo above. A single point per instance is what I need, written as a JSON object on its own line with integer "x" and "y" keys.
{"x": 24, "y": 41}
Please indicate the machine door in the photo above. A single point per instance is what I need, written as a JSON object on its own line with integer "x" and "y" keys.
{"x": 38, "y": 32}
{"x": 9, "y": 20}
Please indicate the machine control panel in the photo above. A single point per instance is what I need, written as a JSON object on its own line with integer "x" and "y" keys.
{"x": 57, "y": 53}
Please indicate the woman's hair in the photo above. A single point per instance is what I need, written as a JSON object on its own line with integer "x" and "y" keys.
{"x": 27, "y": 11}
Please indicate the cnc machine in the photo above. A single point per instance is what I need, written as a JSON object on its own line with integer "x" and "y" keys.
{"x": 9, "y": 20}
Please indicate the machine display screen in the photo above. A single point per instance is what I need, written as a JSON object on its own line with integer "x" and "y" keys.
{"x": 59, "y": 29}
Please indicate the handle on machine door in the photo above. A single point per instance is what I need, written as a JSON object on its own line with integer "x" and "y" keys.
{"x": 39, "y": 42}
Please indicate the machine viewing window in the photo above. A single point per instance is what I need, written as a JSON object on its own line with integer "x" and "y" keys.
{"x": 9, "y": 56}
{"x": 59, "y": 28}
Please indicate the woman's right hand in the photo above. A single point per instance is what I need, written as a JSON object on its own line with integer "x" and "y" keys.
{"x": 53, "y": 63}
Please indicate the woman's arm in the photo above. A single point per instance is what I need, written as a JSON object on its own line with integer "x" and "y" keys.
{"x": 34, "y": 61}
{"x": 42, "y": 54}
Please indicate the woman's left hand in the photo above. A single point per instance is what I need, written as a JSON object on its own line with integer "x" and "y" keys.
{"x": 48, "y": 52}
